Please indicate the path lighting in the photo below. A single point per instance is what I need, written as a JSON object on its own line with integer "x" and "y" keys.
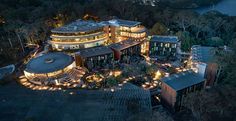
{"x": 111, "y": 73}
{"x": 144, "y": 86}
{"x": 120, "y": 85}
{"x": 117, "y": 73}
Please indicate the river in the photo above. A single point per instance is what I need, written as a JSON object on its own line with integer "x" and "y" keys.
{"x": 225, "y": 6}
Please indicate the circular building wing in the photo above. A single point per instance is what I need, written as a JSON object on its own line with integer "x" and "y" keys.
{"x": 49, "y": 63}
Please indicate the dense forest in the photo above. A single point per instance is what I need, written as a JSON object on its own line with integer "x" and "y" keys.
{"x": 30, "y": 21}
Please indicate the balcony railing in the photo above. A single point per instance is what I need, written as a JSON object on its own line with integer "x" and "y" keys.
{"x": 79, "y": 42}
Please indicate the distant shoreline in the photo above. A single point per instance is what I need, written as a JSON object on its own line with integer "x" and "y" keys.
{"x": 223, "y": 6}
{"x": 181, "y": 5}
{"x": 226, "y": 7}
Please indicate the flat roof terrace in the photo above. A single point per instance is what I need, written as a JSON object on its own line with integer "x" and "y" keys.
{"x": 165, "y": 39}
{"x": 78, "y": 26}
{"x": 183, "y": 80}
{"x": 124, "y": 44}
{"x": 96, "y": 51}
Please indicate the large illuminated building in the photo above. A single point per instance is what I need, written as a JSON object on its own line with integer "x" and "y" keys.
{"x": 78, "y": 35}
{"x": 52, "y": 69}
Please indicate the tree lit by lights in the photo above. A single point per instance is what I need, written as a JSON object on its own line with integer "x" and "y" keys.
{"x": 90, "y": 17}
{"x": 2, "y": 21}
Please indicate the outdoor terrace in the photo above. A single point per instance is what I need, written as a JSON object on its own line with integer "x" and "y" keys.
{"x": 124, "y": 44}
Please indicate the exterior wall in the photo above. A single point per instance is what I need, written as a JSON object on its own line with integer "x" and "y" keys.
{"x": 111, "y": 33}
{"x": 201, "y": 68}
{"x": 168, "y": 96}
{"x": 95, "y": 61}
{"x": 30, "y": 76}
{"x": 145, "y": 48}
{"x": 99, "y": 61}
{"x": 79, "y": 61}
{"x": 211, "y": 74}
{"x": 162, "y": 50}
{"x": 174, "y": 100}
{"x": 181, "y": 94}
{"x": 117, "y": 54}
{"x": 208, "y": 71}
{"x": 124, "y": 54}
{"x": 127, "y": 53}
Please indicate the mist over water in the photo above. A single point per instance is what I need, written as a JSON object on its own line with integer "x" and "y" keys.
{"x": 225, "y": 7}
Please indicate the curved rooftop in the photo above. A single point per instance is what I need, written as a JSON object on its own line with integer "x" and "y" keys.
{"x": 78, "y": 26}
{"x": 48, "y": 63}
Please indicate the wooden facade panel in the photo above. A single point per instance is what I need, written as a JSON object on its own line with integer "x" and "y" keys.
{"x": 211, "y": 74}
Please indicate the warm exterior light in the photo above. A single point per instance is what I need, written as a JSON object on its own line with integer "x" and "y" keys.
{"x": 56, "y": 81}
{"x": 117, "y": 73}
{"x": 157, "y": 75}
{"x": 111, "y": 73}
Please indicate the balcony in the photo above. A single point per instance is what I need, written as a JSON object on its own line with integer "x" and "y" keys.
{"x": 83, "y": 41}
